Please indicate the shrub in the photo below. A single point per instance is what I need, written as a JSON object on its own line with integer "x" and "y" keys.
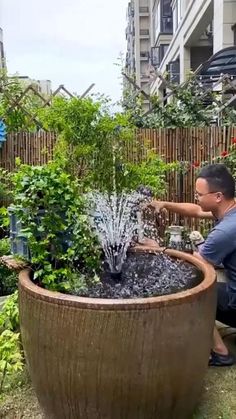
{"x": 52, "y": 211}
{"x": 8, "y": 278}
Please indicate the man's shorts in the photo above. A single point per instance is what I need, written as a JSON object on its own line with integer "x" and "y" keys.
{"x": 224, "y": 313}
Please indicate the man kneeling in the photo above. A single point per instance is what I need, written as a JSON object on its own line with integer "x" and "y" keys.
{"x": 215, "y": 193}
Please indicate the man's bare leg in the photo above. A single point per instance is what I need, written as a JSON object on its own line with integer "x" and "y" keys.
{"x": 218, "y": 344}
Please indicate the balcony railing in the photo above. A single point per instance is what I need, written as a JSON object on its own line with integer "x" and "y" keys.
{"x": 144, "y": 32}
{"x": 144, "y": 78}
{"x": 144, "y": 55}
{"x": 143, "y": 9}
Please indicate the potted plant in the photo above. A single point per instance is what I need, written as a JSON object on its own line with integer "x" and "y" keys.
{"x": 90, "y": 357}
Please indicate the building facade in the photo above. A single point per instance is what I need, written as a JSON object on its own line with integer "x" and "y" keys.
{"x": 184, "y": 34}
{"x": 41, "y": 86}
{"x": 138, "y": 42}
{"x": 2, "y": 55}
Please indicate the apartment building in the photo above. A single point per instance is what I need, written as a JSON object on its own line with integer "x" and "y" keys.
{"x": 201, "y": 28}
{"x": 138, "y": 42}
{"x": 186, "y": 33}
{"x": 2, "y": 55}
{"x": 42, "y": 86}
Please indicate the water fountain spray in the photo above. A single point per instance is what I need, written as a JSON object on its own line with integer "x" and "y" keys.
{"x": 115, "y": 221}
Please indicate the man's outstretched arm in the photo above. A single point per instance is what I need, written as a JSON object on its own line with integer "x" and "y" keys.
{"x": 183, "y": 208}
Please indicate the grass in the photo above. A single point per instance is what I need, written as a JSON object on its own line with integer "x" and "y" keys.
{"x": 219, "y": 396}
{"x": 218, "y": 399}
{"x": 18, "y": 400}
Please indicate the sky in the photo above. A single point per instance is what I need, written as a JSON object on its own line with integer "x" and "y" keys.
{"x": 70, "y": 42}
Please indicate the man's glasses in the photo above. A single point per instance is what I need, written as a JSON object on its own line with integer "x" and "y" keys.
{"x": 199, "y": 195}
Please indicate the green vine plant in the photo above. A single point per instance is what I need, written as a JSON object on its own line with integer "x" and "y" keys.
{"x": 189, "y": 106}
{"x": 11, "y": 358}
{"x": 5, "y": 198}
{"x": 9, "y": 315}
{"x": 51, "y": 208}
{"x": 11, "y": 353}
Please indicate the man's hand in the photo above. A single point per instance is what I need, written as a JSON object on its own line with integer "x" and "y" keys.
{"x": 157, "y": 206}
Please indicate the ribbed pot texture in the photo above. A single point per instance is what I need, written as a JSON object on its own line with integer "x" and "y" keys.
{"x": 118, "y": 359}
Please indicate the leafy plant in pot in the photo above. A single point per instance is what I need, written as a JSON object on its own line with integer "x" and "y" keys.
{"x": 108, "y": 357}
{"x": 51, "y": 209}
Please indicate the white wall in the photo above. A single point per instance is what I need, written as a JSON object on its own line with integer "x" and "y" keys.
{"x": 224, "y": 18}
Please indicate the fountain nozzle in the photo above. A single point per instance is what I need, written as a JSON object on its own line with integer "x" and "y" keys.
{"x": 116, "y": 276}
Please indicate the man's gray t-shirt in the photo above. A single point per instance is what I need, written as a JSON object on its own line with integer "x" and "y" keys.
{"x": 220, "y": 248}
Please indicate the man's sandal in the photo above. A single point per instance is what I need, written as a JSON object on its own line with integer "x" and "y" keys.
{"x": 218, "y": 360}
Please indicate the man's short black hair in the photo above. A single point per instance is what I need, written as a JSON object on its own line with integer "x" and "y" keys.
{"x": 219, "y": 179}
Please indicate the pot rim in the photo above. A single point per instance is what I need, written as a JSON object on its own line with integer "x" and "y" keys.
{"x": 59, "y": 298}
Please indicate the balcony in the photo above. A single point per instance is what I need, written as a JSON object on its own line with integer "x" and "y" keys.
{"x": 144, "y": 11}
{"x": 144, "y": 55}
{"x": 144, "y": 77}
{"x": 144, "y": 33}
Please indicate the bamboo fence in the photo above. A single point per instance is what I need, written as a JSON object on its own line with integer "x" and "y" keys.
{"x": 189, "y": 146}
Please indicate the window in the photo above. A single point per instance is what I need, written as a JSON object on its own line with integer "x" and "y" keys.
{"x": 163, "y": 49}
{"x": 166, "y": 17}
{"x": 156, "y": 21}
{"x": 166, "y": 8}
{"x": 176, "y": 14}
{"x": 162, "y": 18}
{"x": 173, "y": 69}
{"x": 155, "y": 56}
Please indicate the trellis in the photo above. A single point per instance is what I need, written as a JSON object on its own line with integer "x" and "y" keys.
{"x": 16, "y": 102}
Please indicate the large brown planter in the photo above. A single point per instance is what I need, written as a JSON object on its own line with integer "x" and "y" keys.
{"x": 118, "y": 359}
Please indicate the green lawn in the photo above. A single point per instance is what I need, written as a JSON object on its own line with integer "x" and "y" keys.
{"x": 219, "y": 397}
